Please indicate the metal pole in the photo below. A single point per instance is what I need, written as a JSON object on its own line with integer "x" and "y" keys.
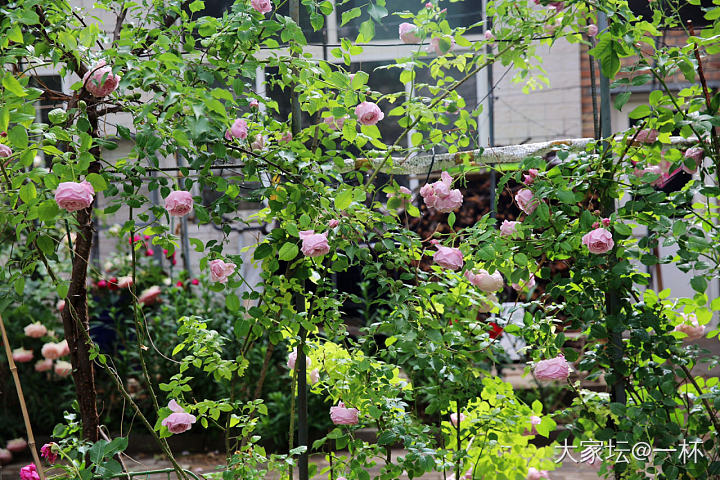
{"x": 491, "y": 117}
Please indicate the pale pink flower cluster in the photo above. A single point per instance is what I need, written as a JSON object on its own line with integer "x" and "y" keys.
{"x": 341, "y": 415}
{"x": 440, "y": 196}
{"x": 448, "y": 257}
{"x": 314, "y": 244}
{"x": 179, "y": 421}
{"x": 485, "y": 281}
{"x": 73, "y": 196}
{"x": 100, "y": 81}
{"x": 220, "y": 271}
{"x": 553, "y": 369}
{"x": 179, "y": 203}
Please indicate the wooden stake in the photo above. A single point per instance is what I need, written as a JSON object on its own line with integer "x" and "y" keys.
{"x": 26, "y": 417}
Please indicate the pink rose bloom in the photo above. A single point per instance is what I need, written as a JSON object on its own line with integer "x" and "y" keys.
{"x": 428, "y": 5}
{"x": 20, "y": 355}
{"x": 179, "y": 203}
{"x": 508, "y": 228}
{"x": 220, "y": 271}
{"x": 334, "y": 123}
{"x": 286, "y": 137}
{"x": 48, "y": 453}
{"x": 100, "y": 81}
{"x": 448, "y": 257}
{"x": 73, "y": 196}
{"x": 314, "y": 244}
{"x": 254, "y": 103}
{"x": 62, "y": 368}
{"x": 239, "y": 129}
{"x": 150, "y": 295}
{"x": 5, "y": 456}
{"x": 35, "y": 330}
{"x": 179, "y": 421}
{"x": 454, "y": 419}
{"x": 405, "y": 191}
{"x": 554, "y": 369}
{"x": 606, "y": 222}
{"x": 526, "y": 201}
{"x": 592, "y": 30}
{"x": 16, "y": 445}
{"x": 529, "y": 178}
{"x": 407, "y": 32}
{"x": 530, "y": 283}
{"x": 333, "y": 223}
{"x": 534, "y": 420}
{"x": 125, "y": 282}
{"x": 262, "y": 6}
{"x": 369, "y": 113}
{"x": 344, "y": 416}
{"x": 60, "y": 305}
{"x": 535, "y": 474}
{"x": 314, "y": 376}
{"x": 598, "y": 241}
{"x": 63, "y": 348}
{"x": 690, "y": 327}
{"x": 51, "y": 351}
{"x": 652, "y": 169}
{"x": 292, "y": 358}
{"x": 436, "y": 47}
{"x": 648, "y": 135}
{"x": 5, "y": 151}
{"x": 44, "y": 365}
{"x": 259, "y": 142}
{"x": 694, "y": 153}
{"x": 29, "y": 472}
{"x": 489, "y": 36}
{"x": 438, "y": 195}
{"x": 102, "y": 284}
{"x": 484, "y": 281}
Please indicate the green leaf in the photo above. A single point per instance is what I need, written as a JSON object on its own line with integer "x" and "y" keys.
{"x": 13, "y": 86}
{"x": 566, "y": 196}
{"x": 621, "y": 99}
{"x": 640, "y": 111}
{"x": 232, "y": 302}
{"x": 699, "y": 284}
{"x": 288, "y": 251}
{"x": 28, "y": 192}
{"x": 20, "y": 285}
{"x": 48, "y": 210}
{"x": 196, "y": 6}
{"x": 97, "y": 181}
{"x": 344, "y": 199}
{"x": 18, "y": 137}
{"x": 367, "y": 31}
{"x": 349, "y": 15}
{"x": 97, "y": 451}
{"x": 377, "y": 12}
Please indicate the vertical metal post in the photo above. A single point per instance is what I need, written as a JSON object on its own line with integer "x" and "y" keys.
{"x": 490, "y": 115}
{"x": 296, "y": 126}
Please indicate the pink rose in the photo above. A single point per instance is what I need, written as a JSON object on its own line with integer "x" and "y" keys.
{"x": 179, "y": 421}
{"x": 368, "y": 113}
{"x": 440, "y": 196}
{"x": 239, "y": 129}
{"x": 598, "y": 241}
{"x": 125, "y": 282}
{"x": 534, "y": 420}
{"x": 408, "y": 33}
{"x": 344, "y": 416}
{"x": 454, "y": 419}
{"x": 554, "y": 369}
{"x": 5, "y": 456}
{"x": 508, "y": 228}
{"x": 405, "y": 191}
{"x": 648, "y": 135}
{"x": 29, "y": 472}
{"x": 592, "y": 30}
{"x": 694, "y": 153}
{"x": 428, "y": 5}
{"x": 314, "y": 376}
{"x": 43, "y": 365}
{"x": 63, "y": 348}
{"x": 333, "y": 223}
{"x": 150, "y": 295}
{"x": 48, "y": 452}
{"x": 526, "y": 201}
{"x": 20, "y": 355}
{"x": 529, "y": 178}
{"x": 259, "y": 142}
{"x": 254, "y": 103}
{"x": 530, "y": 283}
{"x": 51, "y": 351}
{"x": 334, "y": 123}
{"x": 179, "y": 203}
{"x": 484, "y": 281}
{"x": 448, "y": 257}
{"x": 535, "y": 474}
{"x": 35, "y": 330}
{"x": 292, "y": 358}
{"x": 16, "y": 445}
{"x": 220, "y": 271}
{"x": 690, "y": 327}
{"x": 286, "y": 137}
{"x": 489, "y": 36}
{"x": 314, "y": 244}
{"x": 62, "y": 368}
{"x": 441, "y": 48}
{"x": 73, "y": 196}
{"x": 606, "y": 222}
{"x": 5, "y": 151}
{"x": 262, "y": 6}
{"x": 60, "y": 305}
{"x": 100, "y": 81}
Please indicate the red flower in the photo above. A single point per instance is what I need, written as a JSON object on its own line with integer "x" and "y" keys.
{"x": 496, "y": 330}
